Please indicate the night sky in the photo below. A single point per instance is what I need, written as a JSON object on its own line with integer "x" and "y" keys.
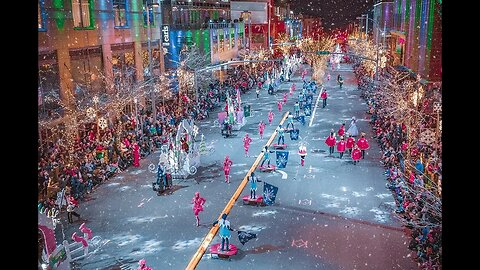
{"x": 334, "y": 13}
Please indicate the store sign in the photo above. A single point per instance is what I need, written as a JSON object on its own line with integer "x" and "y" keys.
{"x": 165, "y": 35}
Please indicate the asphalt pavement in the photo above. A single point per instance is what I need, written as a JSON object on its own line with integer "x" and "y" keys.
{"x": 329, "y": 214}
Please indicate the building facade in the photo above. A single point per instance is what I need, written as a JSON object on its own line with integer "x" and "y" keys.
{"x": 93, "y": 46}
{"x": 255, "y": 14}
{"x": 416, "y": 36}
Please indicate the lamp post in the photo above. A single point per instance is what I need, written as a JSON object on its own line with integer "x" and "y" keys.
{"x": 150, "y": 4}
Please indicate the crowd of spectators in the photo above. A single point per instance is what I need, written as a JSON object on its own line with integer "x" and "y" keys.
{"x": 411, "y": 176}
{"x": 100, "y": 154}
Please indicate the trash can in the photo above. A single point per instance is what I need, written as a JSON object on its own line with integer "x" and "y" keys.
{"x": 246, "y": 110}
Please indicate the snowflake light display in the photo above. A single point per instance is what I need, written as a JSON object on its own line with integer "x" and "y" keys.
{"x": 427, "y": 137}
{"x": 102, "y": 123}
{"x": 91, "y": 113}
{"x": 95, "y": 99}
{"x": 437, "y": 107}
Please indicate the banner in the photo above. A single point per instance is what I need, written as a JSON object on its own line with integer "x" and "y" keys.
{"x": 244, "y": 237}
{"x": 307, "y": 109}
{"x": 282, "y": 159}
{"x": 269, "y": 193}
{"x": 294, "y": 134}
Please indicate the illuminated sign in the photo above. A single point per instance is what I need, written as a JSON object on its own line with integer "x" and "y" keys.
{"x": 165, "y": 35}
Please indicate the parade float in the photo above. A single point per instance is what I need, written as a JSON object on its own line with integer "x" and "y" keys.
{"x": 58, "y": 257}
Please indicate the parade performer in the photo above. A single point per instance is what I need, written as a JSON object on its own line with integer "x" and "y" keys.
{"x": 292, "y": 89}
{"x": 261, "y": 128}
{"x": 257, "y": 91}
{"x": 270, "y": 116}
{"x": 266, "y": 156}
{"x": 279, "y": 105}
{"x": 198, "y": 203}
{"x": 341, "y": 130}
{"x": 253, "y": 185}
{"x": 290, "y": 120}
{"x": 136, "y": 154}
{"x": 302, "y": 151}
{"x": 246, "y": 143}
{"x": 341, "y": 145}
{"x": 284, "y": 98}
{"x": 281, "y": 134}
{"x": 356, "y": 154}
{"x": 340, "y": 80}
{"x": 227, "y": 164}
{"x": 142, "y": 265}
{"x": 363, "y": 144}
{"x": 331, "y": 141}
{"x": 350, "y": 143}
{"x": 352, "y": 129}
{"x": 72, "y": 204}
{"x": 297, "y": 109}
{"x": 324, "y": 96}
{"x": 328, "y": 77}
{"x": 224, "y": 231}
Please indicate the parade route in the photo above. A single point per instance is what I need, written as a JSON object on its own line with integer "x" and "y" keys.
{"x": 329, "y": 214}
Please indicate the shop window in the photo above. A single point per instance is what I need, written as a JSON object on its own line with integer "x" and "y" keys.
{"x": 120, "y": 12}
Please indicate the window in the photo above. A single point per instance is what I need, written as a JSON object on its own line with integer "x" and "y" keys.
{"x": 81, "y": 11}
{"x": 148, "y": 3}
{"x": 120, "y": 12}
{"x": 41, "y": 16}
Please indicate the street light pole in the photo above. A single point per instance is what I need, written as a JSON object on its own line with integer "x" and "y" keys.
{"x": 149, "y": 48}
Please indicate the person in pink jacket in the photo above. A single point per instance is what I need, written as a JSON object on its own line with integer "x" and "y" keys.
{"x": 261, "y": 128}
{"x": 350, "y": 143}
{"x": 341, "y": 145}
{"x": 284, "y": 98}
{"x": 363, "y": 145}
{"x": 292, "y": 89}
{"x": 341, "y": 130}
{"x": 198, "y": 203}
{"x": 142, "y": 265}
{"x": 246, "y": 143}
{"x": 270, "y": 116}
{"x": 331, "y": 141}
{"x": 324, "y": 96}
{"x": 227, "y": 164}
{"x": 356, "y": 154}
{"x": 279, "y": 105}
{"x": 136, "y": 154}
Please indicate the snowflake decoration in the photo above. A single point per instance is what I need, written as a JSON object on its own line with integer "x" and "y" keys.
{"x": 151, "y": 167}
{"x": 282, "y": 159}
{"x": 269, "y": 195}
{"x": 91, "y": 113}
{"x": 427, "y": 137}
{"x": 95, "y": 99}
{"x": 437, "y": 107}
{"x": 102, "y": 123}
{"x": 440, "y": 125}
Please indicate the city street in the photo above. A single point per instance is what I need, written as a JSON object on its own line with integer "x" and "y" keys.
{"x": 329, "y": 214}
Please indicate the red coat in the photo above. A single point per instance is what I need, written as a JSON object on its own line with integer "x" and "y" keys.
{"x": 350, "y": 142}
{"x": 341, "y": 146}
{"x": 323, "y": 95}
{"x": 331, "y": 141}
{"x": 363, "y": 144}
{"x": 341, "y": 131}
{"x": 356, "y": 154}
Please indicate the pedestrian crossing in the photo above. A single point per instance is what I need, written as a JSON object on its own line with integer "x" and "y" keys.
{"x": 125, "y": 267}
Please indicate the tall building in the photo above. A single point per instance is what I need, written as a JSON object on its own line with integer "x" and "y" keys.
{"x": 255, "y": 14}
{"x": 206, "y": 23}
{"x": 88, "y": 46}
{"x": 416, "y": 35}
